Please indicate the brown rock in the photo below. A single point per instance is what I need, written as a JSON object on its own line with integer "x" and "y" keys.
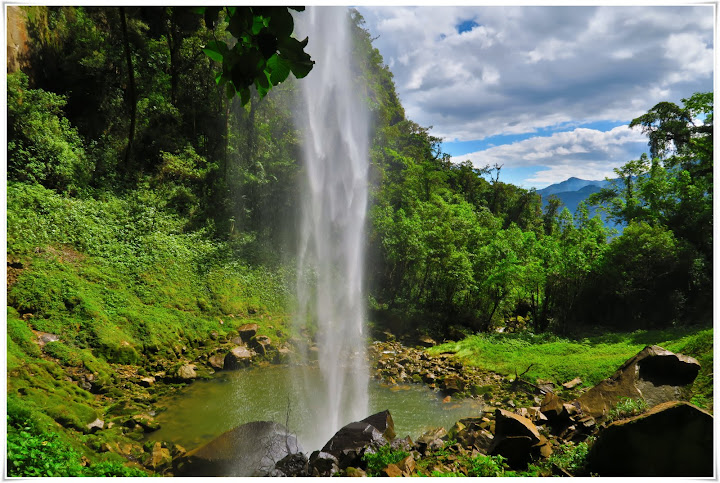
{"x": 239, "y": 356}
{"x": 159, "y": 457}
{"x": 655, "y": 374}
{"x": 147, "y": 381}
{"x": 571, "y": 384}
{"x": 217, "y": 361}
{"x": 407, "y": 465}
{"x": 392, "y": 471}
{"x": 383, "y": 422}
{"x": 552, "y": 406}
{"x": 673, "y": 439}
{"x": 187, "y": 372}
{"x": 247, "y": 331}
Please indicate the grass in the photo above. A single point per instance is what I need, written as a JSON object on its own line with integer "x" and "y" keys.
{"x": 592, "y": 359}
{"x": 120, "y": 281}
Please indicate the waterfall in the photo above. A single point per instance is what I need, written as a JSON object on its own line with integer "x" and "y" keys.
{"x": 331, "y": 242}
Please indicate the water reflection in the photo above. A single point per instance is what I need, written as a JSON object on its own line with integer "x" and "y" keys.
{"x": 206, "y": 409}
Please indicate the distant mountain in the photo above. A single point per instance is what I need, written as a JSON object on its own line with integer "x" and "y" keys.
{"x": 574, "y": 190}
{"x": 571, "y": 185}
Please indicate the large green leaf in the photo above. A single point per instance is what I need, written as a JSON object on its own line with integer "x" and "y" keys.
{"x": 279, "y": 69}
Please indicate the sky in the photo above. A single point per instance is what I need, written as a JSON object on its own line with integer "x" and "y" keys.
{"x": 545, "y": 91}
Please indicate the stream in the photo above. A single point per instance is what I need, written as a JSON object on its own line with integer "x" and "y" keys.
{"x": 206, "y": 408}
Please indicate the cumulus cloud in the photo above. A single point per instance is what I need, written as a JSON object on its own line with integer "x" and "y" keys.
{"x": 583, "y": 153}
{"x": 520, "y": 69}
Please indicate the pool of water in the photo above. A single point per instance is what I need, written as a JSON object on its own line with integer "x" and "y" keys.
{"x": 205, "y": 409}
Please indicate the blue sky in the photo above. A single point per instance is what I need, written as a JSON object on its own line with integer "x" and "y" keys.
{"x": 545, "y": 91}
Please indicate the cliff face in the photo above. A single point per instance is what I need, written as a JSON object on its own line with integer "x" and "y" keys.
{"x": 17, "y": 39}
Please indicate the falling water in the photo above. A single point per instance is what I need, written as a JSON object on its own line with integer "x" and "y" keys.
{"x": 335, "y": 123}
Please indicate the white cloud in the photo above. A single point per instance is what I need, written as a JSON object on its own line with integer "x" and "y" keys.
{"x": 584, "y": 153}
{"x": 525, "y": 68}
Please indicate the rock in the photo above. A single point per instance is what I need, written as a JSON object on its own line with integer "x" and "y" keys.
{"x": 515, "y": 438}
{"x": 147, "y": 423}
{"x": 251, "y": 449}
{"x": 159, "y": 457}
{"x": 673, "y": 439}
{"x": 217, "y": 361}
{"x": 392, "y": 470}
{"x": 354, "y": 472}
{"x": 239, "y": 356}
{"x": 45, "y": 337}
{"x": 214, "y": 335}
{"x": 383, "y": 422}
{"x": 247, "y": 331}
{"x": 426, "y": 341}
{"x": 654, "y": 374}
{"x": 352, "y": 441}
{"x": 147, "y": 381}
{"x": 509, "y": 424}
{"x": 431, "y": 440}
{"x": 323, "y": 464}
{"x": 407, "y": 465}
{"x": 187, "y": 372}
{"x": 571, "y": 384}
{"x": 295, "y": 464}
{"x": 96, "y": 425}
{"x": 545, "y": 386}
{"x": 283, "y": 355}
{"x": 262, "y": 344}
{"x": 452, "y": 384}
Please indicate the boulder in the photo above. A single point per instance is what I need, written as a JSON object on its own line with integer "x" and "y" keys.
{"x": 217, "y": 361}
{"x": 45, "y": 337}
{"x": 426, "y": 341}
{"x": 452, "y": 384}
{"x": 247, "y": 331}
{"x": 186, "y": 372}
{"x": 654, "y": 374}
{"x": 383, "y": 422}
{"x": 516, "y": 438}
{"x": 673, "y": 439}
{"x": 252, "y": 449}
{"x": 293, "y": 465}
{"x": 352, "y": 441}
{"x": 431, "y": 440}
{"x": 261, "y": 344}
{"x": 323, "y": 464}
{"x": 239, "y": 356}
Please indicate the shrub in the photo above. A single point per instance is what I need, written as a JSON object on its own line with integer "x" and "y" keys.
{"x": 378, "y": 461}
{"x": 628, "y": 407}
{"x": 42, "y": 145}
{"x": 570, "y": 457}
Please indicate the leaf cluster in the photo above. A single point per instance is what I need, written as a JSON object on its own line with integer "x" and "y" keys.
{"x": 264, "y": 52}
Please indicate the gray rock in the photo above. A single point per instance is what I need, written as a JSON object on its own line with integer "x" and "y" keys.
{"x": 239, "y": 356}
{"x": 247, "y": 331}
{"x": 96, "y": 425}
{"x": 252, "y": 449}
{"x": 187, "y": 372}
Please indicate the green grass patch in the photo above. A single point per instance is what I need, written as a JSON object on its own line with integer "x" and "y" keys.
{"x": 592, "y": 359}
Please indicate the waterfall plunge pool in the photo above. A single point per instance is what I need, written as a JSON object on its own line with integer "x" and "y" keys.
{"x": 205, "y": 409}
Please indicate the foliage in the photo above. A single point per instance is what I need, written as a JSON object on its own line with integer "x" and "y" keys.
{"x": 33, "y": 453}
{"x": 627, "y": 407}
{"x": 42, "y": 145}
{"x": 571, "y": 457}
{"x": 381, "y": 458}
{"x": 264, "y": 52}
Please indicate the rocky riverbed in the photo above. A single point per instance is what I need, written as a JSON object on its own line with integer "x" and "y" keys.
{"x": 524, "y": 422}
